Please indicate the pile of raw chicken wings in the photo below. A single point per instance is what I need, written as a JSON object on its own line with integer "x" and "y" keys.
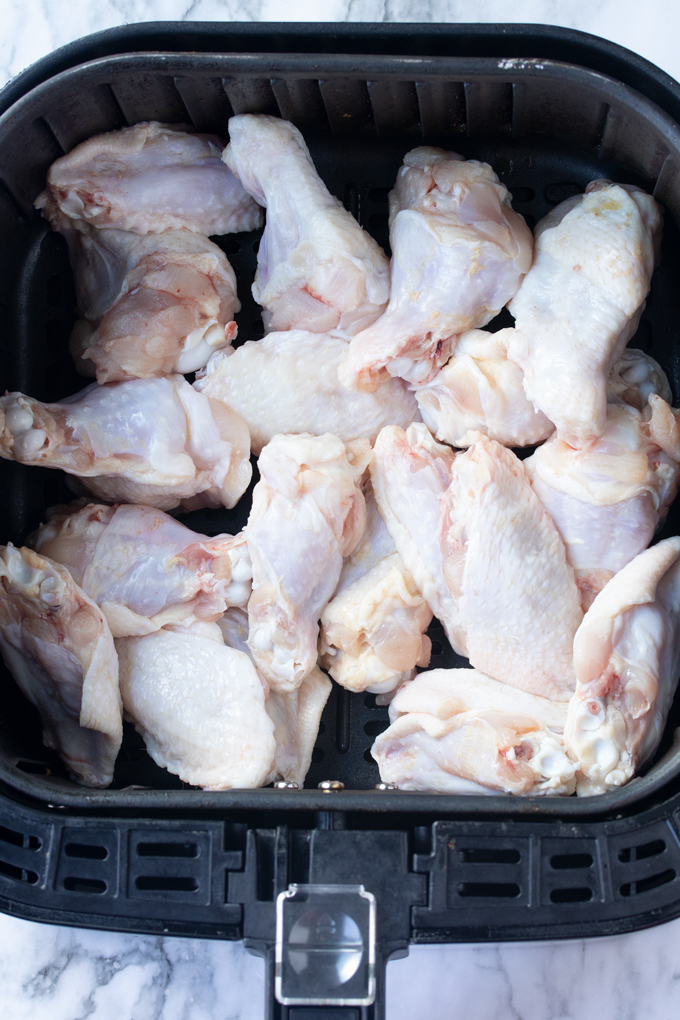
{"x": 384, "y": 418}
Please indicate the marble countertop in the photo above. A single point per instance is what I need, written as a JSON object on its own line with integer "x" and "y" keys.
{"x": 56, "y": 973}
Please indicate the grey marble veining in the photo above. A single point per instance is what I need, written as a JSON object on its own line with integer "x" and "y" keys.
{"x": 55, "y": 973}
{"x": 32, "y": 28}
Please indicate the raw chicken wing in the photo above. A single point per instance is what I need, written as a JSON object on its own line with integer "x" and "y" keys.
{"x": 373, "y": 629}
{"x": 145, "y": 569}
{"x": 296, "y": 714}
{"x": 150, "y": 305}
{"x": 316, "y": 268}
{"x": 59, "y": 649}
{"x": 627, "y": 661}
{"x": 289, "y": 383}
{"x": 459, "y": 253}
{"x": 410, "y": 472}
{"x": 517, "y": 604}
{"x": 149, "y": 178}
{"x": 153, "y": 441}
{"x": 307, "y": 514}
{"x": 608, "y": 497}
{"x": 199, "y": 705}
{"x": 459, "y": 731}
{"x": 581, "y": 302}
{"x": 480, "y": 391}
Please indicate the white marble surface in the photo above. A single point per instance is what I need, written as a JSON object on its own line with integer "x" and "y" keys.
{"x": 52, "y": 973}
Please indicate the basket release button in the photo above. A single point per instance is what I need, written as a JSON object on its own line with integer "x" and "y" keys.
{"x": 325, "y": 946}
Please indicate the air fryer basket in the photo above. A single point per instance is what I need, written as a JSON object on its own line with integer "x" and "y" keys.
{"x": 151, "y": 855}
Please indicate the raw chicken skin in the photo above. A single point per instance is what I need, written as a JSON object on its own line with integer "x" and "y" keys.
{"x": 459, "y": 731}
{"x": 58, "y": 647}
{"x": 145, "y": 569}
{"x": 581, "y": 302}
{"x": 153, "y": 441}
{"x": 151, "y": 305}
{"x": 480, "y": 391}
{"x": 199, "y": 705}
{"x": 288, "y": 383}
{"x": 296, "y": 714}
{"x": 149, "y": 178}
{"x": 316, "y": 268}
{"x": 608, "y": 497}
{"x": 373, "y": 629}
{"x": 307, "y": 514}
{"x": 459, "y": 253}
{"x": 627, "y": 661}
{"x": 410, "y": 472}
{"x": 505, "y": 566}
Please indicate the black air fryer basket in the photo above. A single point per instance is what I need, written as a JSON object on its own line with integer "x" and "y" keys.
{"x": 328, "y": 883}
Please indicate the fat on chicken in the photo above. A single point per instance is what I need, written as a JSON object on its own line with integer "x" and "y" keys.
{"x": 58, "y": 647}
{"x": 635, "y": 377}
{"x": 581, "y": 302}
{"x": 459, "y": 253}
{"x": 627, "y": 661}
{"x": 608, "y": 497}
{"x": 373, "y": 629}
{"x": 296, "y": 714}
{"x": 459, "y": 731}
{"x": 199, "y": 705}
{"x": 517, "y": 603}
{"x": 146, "y": 570}
{"x": 316, "y": 268}
{"x": 479, "y": 390}
{"x": 149, "y": 178}
{"x": 153, "y": 441}
{"x": 288, "y": 382}
{"x": 307, "y": 513}
{"x": 149, "y": 305}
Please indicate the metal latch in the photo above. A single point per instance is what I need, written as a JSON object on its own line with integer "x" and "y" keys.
{"x": 325, "y": 946}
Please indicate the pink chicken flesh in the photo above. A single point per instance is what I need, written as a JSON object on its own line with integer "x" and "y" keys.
{"x": 58, "y": 647}
{"x": 307, "y": 513}
{"x": 627, "y": 661}
{"x": 144, "y": 569}
{"x": 459, "y": 253}
{"x": 149, "y": 178}
{"x": 316, "y": 268}
{"x": 153, "y": 441}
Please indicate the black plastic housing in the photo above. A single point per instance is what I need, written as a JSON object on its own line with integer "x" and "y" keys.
{"x": 550, "y": 110}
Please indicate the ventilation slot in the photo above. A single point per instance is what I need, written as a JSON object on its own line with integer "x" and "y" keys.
{"x": 167, "y": 850}
{"x": 85, "y": 885}
{"x": 19, "y": 874}
{"x": 571, "y": 895}
{"x": 647, "y": 884}
{"x": 565, "y": 862}
{"x": 640, "y": 853}
{"x": 489, "y": 855}
{"x": 342, "y": 720}
{"x": 86, "y": 851}
{"x": 375, "y": 726}
{"x": 520, "y": 195}
{"x": 19, "y": 839}
{"x": 229, "y": 245}
{"x": 166, "y": 883}
{"x": 34, "y": 768}
{"x": 497, "y": 890}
